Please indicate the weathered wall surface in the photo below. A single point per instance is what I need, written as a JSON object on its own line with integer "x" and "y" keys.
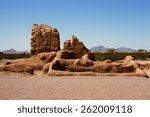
{"x": 76, "y": 46}
{"x": 44, "y": 39}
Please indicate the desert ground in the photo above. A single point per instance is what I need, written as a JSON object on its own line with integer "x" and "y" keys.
{"x": 14, "y": 86}
{"x": 37, "y": 87}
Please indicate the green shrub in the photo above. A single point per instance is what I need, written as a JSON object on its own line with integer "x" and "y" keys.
{"x": 15, "y": 56}
{"x": 1, "y": 55}
{"x": 120, "y": 56}
{"x": 98, "y": 56}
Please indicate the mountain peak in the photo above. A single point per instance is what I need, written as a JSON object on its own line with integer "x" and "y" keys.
{"x": 101, "y": 48}
{"x": 10, "y": 51}
{"x": 98, "y": 49}
{"x": 125, "y": 49}
{"x": 13, "y": 51}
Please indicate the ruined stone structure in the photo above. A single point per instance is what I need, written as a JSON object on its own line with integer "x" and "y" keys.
{"x": 44, "y": 39}
{"x": 74, "y": 59}
{"x": 76, "y": 46}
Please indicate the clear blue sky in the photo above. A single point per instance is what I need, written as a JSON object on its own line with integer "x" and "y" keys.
{"x": 111, "y": 23}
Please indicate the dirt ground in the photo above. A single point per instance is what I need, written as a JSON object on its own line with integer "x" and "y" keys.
{"x": 17, "y": 86}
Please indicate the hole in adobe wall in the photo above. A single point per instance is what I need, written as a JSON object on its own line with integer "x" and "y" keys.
{"x": 8, "y": 63}
{"x": 58, "y": 66}
{"x": 43, "y": 58}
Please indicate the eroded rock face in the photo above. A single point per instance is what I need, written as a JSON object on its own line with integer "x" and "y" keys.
{"x": 76, "y": 46}
{"x": 44, "y": 39}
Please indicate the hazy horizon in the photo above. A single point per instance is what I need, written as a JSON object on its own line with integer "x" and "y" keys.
{"x": 111, "y": 23}
{"x": 85, "y": 45}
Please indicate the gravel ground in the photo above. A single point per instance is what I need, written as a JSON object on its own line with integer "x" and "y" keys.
{"x": 17, "y": 86}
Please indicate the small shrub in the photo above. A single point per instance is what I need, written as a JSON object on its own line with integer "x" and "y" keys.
{"x": 120, "y": 56}
{"x": 15, "y": 56}
{"x": 1, "y": 55}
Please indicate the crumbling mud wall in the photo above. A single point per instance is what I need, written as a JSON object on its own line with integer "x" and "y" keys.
{"x": 44, "y": 39}
{"x": 74, "y": 59}
{"x": 75, "y": 45}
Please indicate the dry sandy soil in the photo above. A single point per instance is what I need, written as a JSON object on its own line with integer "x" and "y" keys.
{"x": 17, "y": 86}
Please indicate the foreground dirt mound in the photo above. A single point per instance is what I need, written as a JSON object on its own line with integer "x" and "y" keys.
{"x": 18, "y": 66}
{"x": 85, "y": 66}
{"x": 61, "y": 63}
{"x": 144, "y": 64}
{"x": 36, "y": 62}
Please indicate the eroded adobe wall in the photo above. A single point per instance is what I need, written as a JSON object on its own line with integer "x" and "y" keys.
{"x": 44, "y": 39}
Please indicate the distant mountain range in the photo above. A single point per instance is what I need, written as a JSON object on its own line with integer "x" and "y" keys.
{"x": 94, "y": 49}
{"x": 13, "y": 51}
{"x": 104, "y": 49}
{"x": 124, "y": 49}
